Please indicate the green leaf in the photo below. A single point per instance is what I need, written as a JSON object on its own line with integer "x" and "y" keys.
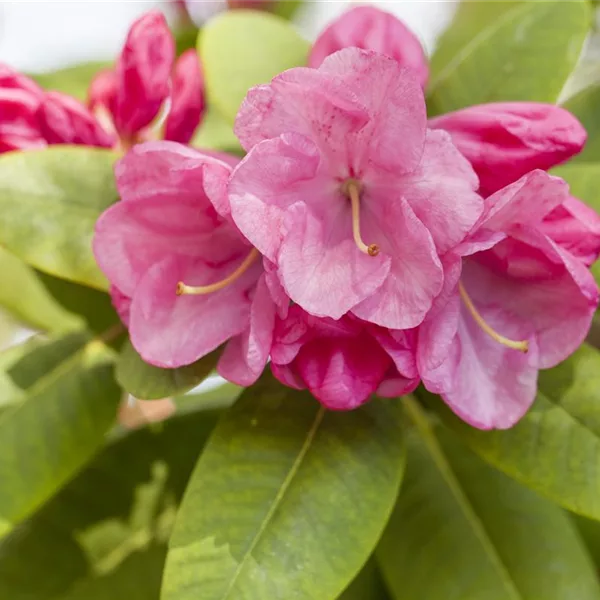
{"x": 511, "y": 52}
{"x": 240, "y": 49}
{"x": 215, "y": 133}
{"x": 286, "y": 8}
{"x": 72, "y": 80}
{"x": 585, "y": 106}
{"x": 147, "y": 382}
{"x": 10, "y": 392}
{"x": 104, "y": 536}
{"x": 24, "y": 297}
{"x": 70, "y": 402}
{"x": 50, "y": 201}
{"x": 463, "y": 531}
{"x": 368, "y": 585}
{"x": 555, "y": 448}
{"x": 287, "y": 500}
{"x": 221, "y": 396}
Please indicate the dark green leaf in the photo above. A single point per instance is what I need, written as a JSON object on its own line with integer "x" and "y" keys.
{"x": 590, "y": 533}
{"x": 507, "y": 52}
{"x": 287, "y": 500}
{"x": 240, "y": 49}
{"x": 104, "y": 536}
{"x": 72, "y": 80}
{"x": 151, "y": 383}
{"x": 368, "y": 585}
{"x": 555, "y": 448}
{"x": 57, "y": 426}
{"x": 50, "y": 201}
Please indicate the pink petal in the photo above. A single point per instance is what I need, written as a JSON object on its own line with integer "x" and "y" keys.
{"x": 143, "y": 72}
{"x": 19, "y": 124}
{"x": 371, "y": 28}
{"x": 13, "y": 80}
{"x": 170, "y": 331}
{"x": 102, "y": 93}
{"x": 415, "y": 277}
{"x": 504, "y": 141}
{"x": 245, "y": 356}
{"x": 187, "y": 98}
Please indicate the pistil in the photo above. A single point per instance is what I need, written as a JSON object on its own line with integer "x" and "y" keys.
{"x": 352, "y": 190}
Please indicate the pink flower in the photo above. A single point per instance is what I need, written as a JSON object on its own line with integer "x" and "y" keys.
{"x": 339, "y": 155}
{"x": 521, "y": 303}
{"x": 184, "y": 280}
{"x": 342, "y": 362}
{"x": 371, "y": 28}
{"x": 147, "y": 82}
{"x": 504, "y": 141}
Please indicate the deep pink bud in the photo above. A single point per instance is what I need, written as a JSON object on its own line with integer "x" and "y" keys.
{"x": 64, "y": 120}
{"x": 11, "y": 79}
{"x": 102, "y": 92}
{"x": 503, "y": 141}
{"x": 143, "y": 73}
{"x": 370, "y": 28}
{"x": 187, "y": 98}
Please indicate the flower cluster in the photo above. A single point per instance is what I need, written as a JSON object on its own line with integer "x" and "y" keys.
{"x": 125, "y": 106}
{"x": 358, "y": 248}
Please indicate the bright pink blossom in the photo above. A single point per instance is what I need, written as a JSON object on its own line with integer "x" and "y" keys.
{"x": 342, "y": 362}
{"x": 339, "y": 156}
{"x": 164, "y": 234}
{"x": 371, "y": 28}
{"x": 521, "y": 284}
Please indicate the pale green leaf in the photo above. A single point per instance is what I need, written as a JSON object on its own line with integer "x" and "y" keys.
{"x": 72, "y": 80}
{"x": 586, "y": 107}
{"x": 215, "y": 133}
{"x": 287, "y": 501}
{"x": 464, "y": 531}
{"x": 240, "y": 49}
{"x": 50, "y": 201}
{"x": 507, "y": 52}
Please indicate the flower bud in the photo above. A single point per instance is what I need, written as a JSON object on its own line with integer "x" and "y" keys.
{"x": 64, "y": 120}
{"x": 370, "y": 28}
{"x": 187, "y": 98}
{"x": 503, "y": 141}
{"x": 102, "y": 92}
{"x": 143, "y": 73}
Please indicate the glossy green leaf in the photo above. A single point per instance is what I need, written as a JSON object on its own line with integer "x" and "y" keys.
{"x": 215, "y": 133}
{"x": 520, "y": 51}
{"x": 104, "y": 536}
{"x": 72, "y": 80}
{"x": 589, "y": 530}
{"x": 70, "y": 402}
{"x": 25, "y": 297}
{"x": 50, "y": 201}
{"x": 221, "y": 396}
{"x": 10, "y": 391}
{"x": 240, "y": 49}
{"x": 464, "y": 531}
{"x": 287, "y": 500}
{"x": 585, "y": 106}
{"x": 555, "y": 448}
{"x": 147, "y": 382}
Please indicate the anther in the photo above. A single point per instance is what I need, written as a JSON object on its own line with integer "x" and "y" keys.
{"x": 352, "y": 190}
{"x": 521, "y": 345}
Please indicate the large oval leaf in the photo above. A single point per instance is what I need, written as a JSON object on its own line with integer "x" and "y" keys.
{"x": 555, "y": 448}
{"x": 70, "y": 401}
{"x": 50, "y": 201}
{"x": 240, "y": 49}
{"x": 147, "y": 382}
{"x": 104, "y": 536}
{"x": 464, "y": 531}
{"x": 287, "y": 500}
{"x": 521, "y": 51}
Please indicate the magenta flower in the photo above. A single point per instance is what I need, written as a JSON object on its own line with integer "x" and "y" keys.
{"x": 342, "y": 362}
{"x": 345, "y": 191}
{"x": 520, "y": 303}
{"x": 371, "y": 28}
{"x": 147, "y": 84}
{"x": 183, "y": 279}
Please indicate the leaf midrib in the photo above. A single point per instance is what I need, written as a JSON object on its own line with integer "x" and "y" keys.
{"x": 431, "y": 443}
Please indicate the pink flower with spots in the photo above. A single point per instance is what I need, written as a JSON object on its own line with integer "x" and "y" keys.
{"x": 516, "y": 303}
{"x": 347, "y": 193}
{"x": 342, "y": 362}
{"x": 371, "y": 28}
{"x": 183, "y": 279}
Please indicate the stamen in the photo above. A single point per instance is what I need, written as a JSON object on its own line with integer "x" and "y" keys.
{"x": 183, "y": 289}
{"x": 522, "y": 345}
{"x": 352, "y": 189}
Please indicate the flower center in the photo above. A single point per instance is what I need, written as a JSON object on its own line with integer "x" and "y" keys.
{"x": 351, "y": 189}
{"x": 521, "y": 345}
{"x": 188, "y": 290}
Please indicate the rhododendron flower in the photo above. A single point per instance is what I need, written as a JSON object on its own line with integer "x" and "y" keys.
{"x": 146, "y": 83}
{"x": 347, "y": 193}
{"x": 371, "y": 28}
{"x": 522, "y": 303}
{"x": 343, "y": 362}
{"x": 184, "y": 280}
